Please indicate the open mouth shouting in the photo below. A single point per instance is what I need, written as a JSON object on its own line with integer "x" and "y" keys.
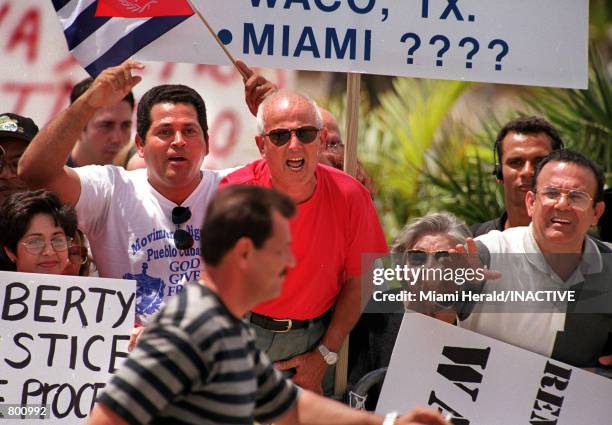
{"x": 176, "y": 159}
{"x": 296, "y": 164}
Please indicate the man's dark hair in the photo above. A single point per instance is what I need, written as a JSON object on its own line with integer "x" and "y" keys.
{"x": 82, "y": 86}
{"x": 528, "y": 125}
{"x": 240, "y": 211}
{"x": 572, "y": 157}
{"x": 169, "y": 93}
{"x": 18, "y": 209}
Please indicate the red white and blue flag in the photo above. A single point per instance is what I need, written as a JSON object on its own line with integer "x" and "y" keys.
{"x": 103, "y": 33}
{"x": 143, "y": 8}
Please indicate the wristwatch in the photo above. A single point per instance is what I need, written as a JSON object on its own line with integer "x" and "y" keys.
{"x": 329, "y": 356}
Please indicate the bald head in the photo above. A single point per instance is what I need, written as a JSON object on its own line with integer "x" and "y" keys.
{"x": 329, "y": 122}
{"x": 332, "y": 151}
{"x": 287, "y": 100}
{"x": 290, "y": 131}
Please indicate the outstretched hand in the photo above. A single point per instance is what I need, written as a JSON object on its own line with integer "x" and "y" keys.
{"x": 256, "y": 87}
{"x": 470, "y": 253}
{"x": 113, "y": 84}
{"x": 421, "y": 416}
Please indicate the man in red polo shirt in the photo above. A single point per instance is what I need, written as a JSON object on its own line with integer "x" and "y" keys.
{"x": 336, "y": 222}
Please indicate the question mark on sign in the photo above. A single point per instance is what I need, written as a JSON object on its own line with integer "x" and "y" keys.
{"x": 385, "y": 13}
{"x": 471, "y": 53}
{"x": 500, "y": 56}
{"x": 445, "y": 47}
{"x": 414, "y": 47}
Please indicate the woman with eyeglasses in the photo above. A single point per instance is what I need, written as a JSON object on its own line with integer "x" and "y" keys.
{"x": 36, "y": 231}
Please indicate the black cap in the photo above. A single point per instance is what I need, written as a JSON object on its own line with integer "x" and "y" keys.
{"x": 17, "y": 127}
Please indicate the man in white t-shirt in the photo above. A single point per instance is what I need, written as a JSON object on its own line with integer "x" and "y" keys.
{"x": 141, "y": 224}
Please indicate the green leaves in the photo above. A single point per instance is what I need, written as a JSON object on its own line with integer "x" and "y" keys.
{"x": 423, "y": 158}
{"x": 399, "y": 132}
{"x": 582, "y": 117}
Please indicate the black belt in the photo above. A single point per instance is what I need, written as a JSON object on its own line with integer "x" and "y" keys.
{"x": 284, "y": 325}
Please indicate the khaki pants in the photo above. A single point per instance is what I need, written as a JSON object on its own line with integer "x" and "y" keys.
{"x": 285, "y": 345}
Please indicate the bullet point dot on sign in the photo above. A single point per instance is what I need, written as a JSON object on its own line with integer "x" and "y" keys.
{"x": 225, "y": 36}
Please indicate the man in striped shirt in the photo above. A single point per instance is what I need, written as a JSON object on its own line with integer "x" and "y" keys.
{"x": 197, "y": 362}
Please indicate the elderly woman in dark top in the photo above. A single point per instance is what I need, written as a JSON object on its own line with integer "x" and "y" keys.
{"x": 36, "y": 231}
{"x": 424, "y": 241}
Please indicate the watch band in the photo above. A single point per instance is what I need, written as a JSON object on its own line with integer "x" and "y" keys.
{"x": 323, "y": 350}
{"x": 390, "y": 418}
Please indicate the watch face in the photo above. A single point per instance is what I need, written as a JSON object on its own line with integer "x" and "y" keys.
{"x": 331, "y": 358}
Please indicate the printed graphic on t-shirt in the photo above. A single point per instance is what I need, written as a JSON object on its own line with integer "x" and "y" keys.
{"x": 149, "y": 292}
{"x": 165, "y": 269}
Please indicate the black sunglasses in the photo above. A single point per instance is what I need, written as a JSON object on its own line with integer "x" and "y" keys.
{"x": 418, "y": 257}
{"x": 281, "y": 136}
{"x": 182, "y": 238}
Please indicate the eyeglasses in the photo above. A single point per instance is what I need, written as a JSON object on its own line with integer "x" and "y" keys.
{"x": 36, "y": 246}
{"x": 418, "y": 257}
{"x": 78, "y": 254}
{"x": 575, "y": 198}
{"x": 281, "y": 136}
{"x": 12, "y": 165}
{"x": 182, "y": 238}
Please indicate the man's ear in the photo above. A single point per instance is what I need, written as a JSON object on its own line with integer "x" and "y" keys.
{"x": 261, "y": 145}
{"x": 530, "y": 203}
{"x": 243, "y": 250}
{"x": 10, "y": 254}
{"x": 600, "y": 207}
{"x": 322, "y": 140}
{"x": 140, "y": 145}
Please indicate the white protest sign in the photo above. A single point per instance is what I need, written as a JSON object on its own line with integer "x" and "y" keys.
{"x": 541, "y": 43}
{"x": 482, "y": 381}
{"x": 61, "y": 339}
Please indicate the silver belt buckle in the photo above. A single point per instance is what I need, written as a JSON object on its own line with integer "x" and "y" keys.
{"x": 289, "y": 325}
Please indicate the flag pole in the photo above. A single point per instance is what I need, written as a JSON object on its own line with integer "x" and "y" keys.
{"x": 353, "y": 87}
{"x": 216, "y": 37}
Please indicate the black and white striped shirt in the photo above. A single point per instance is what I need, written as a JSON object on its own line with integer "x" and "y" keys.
{"x": 197, "y": 364}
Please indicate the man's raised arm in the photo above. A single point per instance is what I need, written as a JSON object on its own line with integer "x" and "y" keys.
{"x": 42, "y": 163}
{"x": 311, "y": 409}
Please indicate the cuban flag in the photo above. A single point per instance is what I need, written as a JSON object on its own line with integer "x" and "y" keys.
{"x": 143, "y": 8}
{"x": 104, "y": 33}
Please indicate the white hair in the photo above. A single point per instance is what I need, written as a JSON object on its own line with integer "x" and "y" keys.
{"x": 443, "y": 222}
{"x": 286, "y": 94}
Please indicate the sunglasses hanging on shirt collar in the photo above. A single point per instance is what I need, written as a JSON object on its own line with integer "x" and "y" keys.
{"x": 182, "y": 238}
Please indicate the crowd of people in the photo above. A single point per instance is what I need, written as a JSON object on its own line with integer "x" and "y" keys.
{"x": 278, "y": 243}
